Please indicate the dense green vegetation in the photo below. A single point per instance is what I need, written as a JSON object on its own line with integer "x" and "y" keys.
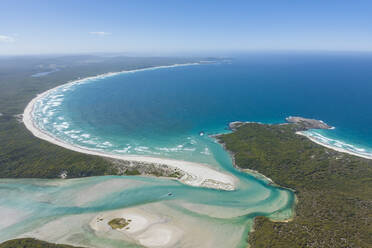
{"x": 119, "y": 223}
{"x": 23, "y": 155}
{"x": 31, "y": 243}
{"x": 334, "y": 189}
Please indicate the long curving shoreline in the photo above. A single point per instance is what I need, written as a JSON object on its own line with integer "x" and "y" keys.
{"x": 195, "y": 174}
{"x": 338, "y": 149}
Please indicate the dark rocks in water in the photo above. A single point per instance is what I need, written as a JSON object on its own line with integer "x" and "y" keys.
{"x": 303, "y": 123}
{"x": 170, "y": 194}
{"x": 308, "y": 123}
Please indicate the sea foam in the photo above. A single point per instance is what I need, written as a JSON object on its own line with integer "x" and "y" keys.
{"x": 338, "y": 145}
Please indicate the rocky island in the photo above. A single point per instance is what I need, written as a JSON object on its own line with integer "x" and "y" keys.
{"x": 308, "y": 123}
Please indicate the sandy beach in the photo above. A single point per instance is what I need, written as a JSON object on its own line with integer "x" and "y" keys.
{"x": 150, "y": 225}
{"x": 144, "y": 228}
{"x": 10, "y": 216}
{"x": 195, "y": 174}
{"x": 335, "y": 148}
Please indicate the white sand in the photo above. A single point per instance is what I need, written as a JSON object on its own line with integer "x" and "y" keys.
{"x": 60, "y": 230}
{"x": 195, "y": 174}
{"x": 160, "y": 236}
{"x": 161, "y": 224}
{"x": 145, "y": 228}
{"x": 10, "y": 216}
{"x": 339, "y": 149}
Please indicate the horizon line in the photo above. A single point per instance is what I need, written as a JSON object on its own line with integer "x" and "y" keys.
{"x": 186, "y": 53}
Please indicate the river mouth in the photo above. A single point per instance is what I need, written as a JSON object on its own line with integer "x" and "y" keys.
{"x": 167, "y": 113}
{"x": 164, "y": 200}
{"x": 71, "y": 211}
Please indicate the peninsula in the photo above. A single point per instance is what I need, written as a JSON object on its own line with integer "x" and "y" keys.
{"x": 333, "y": 188}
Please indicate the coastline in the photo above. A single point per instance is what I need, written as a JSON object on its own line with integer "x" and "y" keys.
{"x": 196, "y": 174}
{"x": 254, "y": 173}
{"x": 338, "y": 149}
{"x": 310, "y": 169}
{"x": 235, "y": 124}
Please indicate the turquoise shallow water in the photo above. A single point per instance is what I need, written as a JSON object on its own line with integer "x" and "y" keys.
{"x": 29, "y": 204}
{"x": 162, "y": 113}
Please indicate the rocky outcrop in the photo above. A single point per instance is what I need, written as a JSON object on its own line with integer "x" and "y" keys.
{"x": 308, "y": 123}
{"x": 235, "y": 124}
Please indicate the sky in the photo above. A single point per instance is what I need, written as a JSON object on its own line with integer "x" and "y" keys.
{"x": 183, "y": 27}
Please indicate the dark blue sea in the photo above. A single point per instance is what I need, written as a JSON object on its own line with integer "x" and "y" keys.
{"x": 162, "y": 112}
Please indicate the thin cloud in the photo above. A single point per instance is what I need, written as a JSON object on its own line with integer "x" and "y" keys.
{"x": 100, "y": 33}
{"x": 5, "y": 38}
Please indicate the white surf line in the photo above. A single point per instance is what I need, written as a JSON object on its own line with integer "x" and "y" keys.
{"x": 338, "y": 149}
{"x": 196, "y": 174}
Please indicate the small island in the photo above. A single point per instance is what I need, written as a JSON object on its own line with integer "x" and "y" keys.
{"x": 119, "y": 223}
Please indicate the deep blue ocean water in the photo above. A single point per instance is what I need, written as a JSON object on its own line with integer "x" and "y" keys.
{"x": 161, "y": 112}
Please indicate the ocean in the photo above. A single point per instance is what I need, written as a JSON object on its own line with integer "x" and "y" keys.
{"x": 163, "y": 112}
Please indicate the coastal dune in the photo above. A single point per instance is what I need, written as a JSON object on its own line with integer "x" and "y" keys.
{"x": 194, "y": 174}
